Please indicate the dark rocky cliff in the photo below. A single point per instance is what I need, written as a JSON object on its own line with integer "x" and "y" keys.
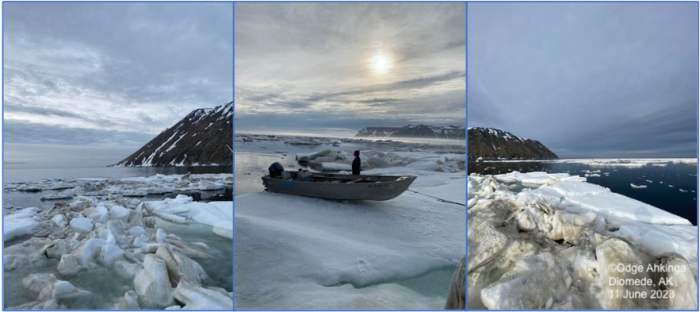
{"x": 202, "y": 138}
{"x": 491, "y": 144}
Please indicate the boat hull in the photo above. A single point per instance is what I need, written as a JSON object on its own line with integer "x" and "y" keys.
{"x": 372, "y": 188}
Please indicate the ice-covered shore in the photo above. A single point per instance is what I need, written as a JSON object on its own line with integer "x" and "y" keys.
{"x": 561, "y": 235}
{"x": 52, "y": 256}
{"x": 295, "y": 252}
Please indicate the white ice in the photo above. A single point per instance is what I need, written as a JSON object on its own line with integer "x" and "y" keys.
{"x": 20, "y": 223}
{"x": 216, "y": 214}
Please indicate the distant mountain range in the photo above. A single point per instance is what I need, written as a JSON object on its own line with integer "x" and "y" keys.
{"x": 410, "y": 131}
{"x": 492, "y": 144}
{"x": 202, "y": 138}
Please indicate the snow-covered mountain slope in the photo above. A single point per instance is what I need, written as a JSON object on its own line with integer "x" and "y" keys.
{"x": 203, "y": 138}
{"x": 491, "y": 144}
{"x": 410, "y": 131}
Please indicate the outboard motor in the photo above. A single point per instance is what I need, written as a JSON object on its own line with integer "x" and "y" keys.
{"x": 276, "y": 170}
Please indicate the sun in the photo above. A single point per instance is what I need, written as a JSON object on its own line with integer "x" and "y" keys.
{"x": 381, "y": 63}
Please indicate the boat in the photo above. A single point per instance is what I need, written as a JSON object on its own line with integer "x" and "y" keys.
{"x": 340, "y": 186}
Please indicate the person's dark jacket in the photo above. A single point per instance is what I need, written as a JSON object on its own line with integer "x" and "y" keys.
{"x": 356, "y": 166}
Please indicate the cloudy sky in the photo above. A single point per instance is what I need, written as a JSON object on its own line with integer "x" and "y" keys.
{"x": 587, "y": 79}
{"x": 112, "y": 73}
{"x": 344, "y": 66}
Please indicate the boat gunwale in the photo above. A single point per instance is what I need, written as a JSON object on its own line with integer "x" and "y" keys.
{"x": 397, "y": 179}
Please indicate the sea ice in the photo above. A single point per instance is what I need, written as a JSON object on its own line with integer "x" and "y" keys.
{"x": 83, "y": 225}
{"x": 562, "y": 236}
{"x": 108, "y": 254}
{"x": 152, "y": 284}
{"x": 118, "y": 212}
{"x": 199, "y": 298}
{"x": 335, "y": 166}
{"x": 68, "y": 266}
{"x": 23, "y": 222}
{"x": 93, "y": 235}
{"x": 59, "y": 220}
{"x": 216, "y": 214}
{"x": 64, "y": 290}
{"x": 358, "y": 248}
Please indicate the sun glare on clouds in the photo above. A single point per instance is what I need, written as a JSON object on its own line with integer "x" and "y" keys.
{"x": 381, "y": 63}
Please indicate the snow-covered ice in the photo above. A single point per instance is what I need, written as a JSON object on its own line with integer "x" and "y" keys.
{"x": 296, "y": 252}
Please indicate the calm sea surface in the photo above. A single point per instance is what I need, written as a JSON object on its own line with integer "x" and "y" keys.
{"x": 29, "y": 162}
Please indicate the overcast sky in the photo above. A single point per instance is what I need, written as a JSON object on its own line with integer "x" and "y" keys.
{"x": 345, "y": 66}
{"x": 587, "y": 79}
{"x": 112, "y": 73}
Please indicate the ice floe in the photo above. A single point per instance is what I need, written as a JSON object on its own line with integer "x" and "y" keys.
{"x": 23, "y": 222}
{"x": 562, "y": 234}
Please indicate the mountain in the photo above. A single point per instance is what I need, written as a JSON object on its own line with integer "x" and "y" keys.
{"x": 202, "y": 138}
{"x": 419, "y": 131}
{"x": 489, "y": 144}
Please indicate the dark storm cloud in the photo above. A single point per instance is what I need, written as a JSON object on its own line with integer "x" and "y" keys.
{"x": 349, "y": 65}
{"x": 587, "y": 79}
{"x": 113, "y": 67}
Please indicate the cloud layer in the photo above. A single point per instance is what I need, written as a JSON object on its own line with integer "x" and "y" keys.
{"x": 313, "y": 66}
{"x": 112, "y": 73}
{"x": 587, "y": 79}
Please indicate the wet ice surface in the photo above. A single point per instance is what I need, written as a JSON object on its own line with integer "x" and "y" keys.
{"x": 562, "y": 233}
{"x": 296, "y": 252}
{"x": 138, "y": 242}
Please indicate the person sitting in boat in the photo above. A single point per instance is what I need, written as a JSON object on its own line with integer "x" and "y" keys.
{"x": 356, "y": 164}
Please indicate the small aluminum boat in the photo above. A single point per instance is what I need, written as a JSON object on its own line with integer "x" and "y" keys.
{"x": 340, "y": 186}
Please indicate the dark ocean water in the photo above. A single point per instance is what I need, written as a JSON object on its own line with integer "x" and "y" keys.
{"x": 30, "y": 162}
{"x": 658, "y": 192}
